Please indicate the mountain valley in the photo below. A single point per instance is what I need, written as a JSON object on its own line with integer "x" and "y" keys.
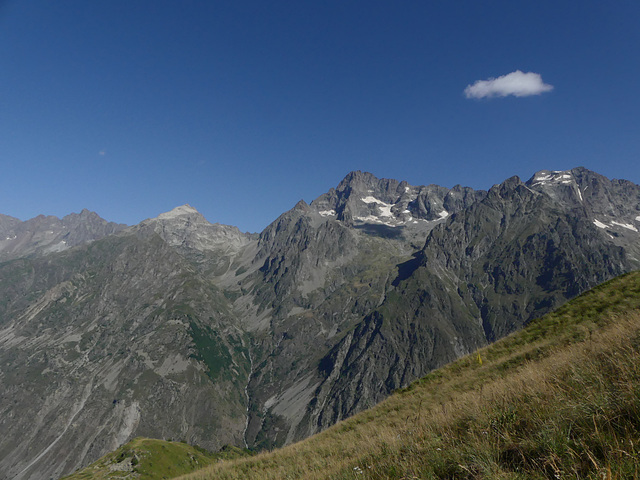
{"x": 177, "y": 328}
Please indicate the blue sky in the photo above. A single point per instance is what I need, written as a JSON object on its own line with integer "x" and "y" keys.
{"x": 241, "y": 108}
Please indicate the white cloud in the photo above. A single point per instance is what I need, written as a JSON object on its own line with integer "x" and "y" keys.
{"x": 518, "y": 84}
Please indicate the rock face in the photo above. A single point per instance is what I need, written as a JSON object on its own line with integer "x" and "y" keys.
{"x": 116, "y": 338}
{"x": 485, "y": 272}
{"x": 179, "y": 328}
{"x": 42, "y": 235}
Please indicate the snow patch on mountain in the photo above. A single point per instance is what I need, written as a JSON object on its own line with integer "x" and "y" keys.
{"x": 327, "y": 213}
{"x": 542, "y": 179}
{"x": 545, "y": 177}
{"x": 385, "y": 208}
{"x": 628, "y": 226}
{"x": 599, "y": 224}
{"x": 373, "y": 219}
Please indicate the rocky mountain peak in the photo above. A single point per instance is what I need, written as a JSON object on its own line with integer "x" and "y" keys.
{"x": 363, "y": 199}
{"x": 357, "y": 180}
{"x": 506, "y": 188}
{"x": 180, "y": 211}
{"x": 360, "y": 197}
{"x": 579, "y": 175}
{"x": 85, "y": 217}
{"x": 43, "y": 235}
{"x": 564, "y": 186}
{"x": 611, "y": 205}
{"x": 186, "y": 228}
{"x": 301, "y": 205}
{"x": 548, "y": 177}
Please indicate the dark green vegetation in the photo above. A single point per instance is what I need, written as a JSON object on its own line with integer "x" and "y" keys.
{"x": 211, "y": 350}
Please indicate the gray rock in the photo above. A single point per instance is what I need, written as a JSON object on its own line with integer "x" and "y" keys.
{"x": 180, "y": 328}
{"x": 42, "y": 235}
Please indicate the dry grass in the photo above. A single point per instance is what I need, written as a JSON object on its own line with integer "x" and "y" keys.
{"x": 558, "y": 400}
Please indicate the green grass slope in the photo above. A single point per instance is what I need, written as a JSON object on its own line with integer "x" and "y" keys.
{"x": 149, "y": 459}
{"x": 560, "y": 399}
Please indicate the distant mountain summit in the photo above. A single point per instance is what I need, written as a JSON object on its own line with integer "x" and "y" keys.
{"x": 181, "y": 211}
{"x": 185, "y": 329}
{"x": 363, "y": 198}
{"x": 185, "y": 227}
{"x": 41, "y": 235}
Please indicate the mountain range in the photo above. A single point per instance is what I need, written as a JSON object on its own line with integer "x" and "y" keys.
{"x": 177, "y": 328}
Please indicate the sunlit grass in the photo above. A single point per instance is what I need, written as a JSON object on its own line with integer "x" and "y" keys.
{"x": 150, "y": 459}
{"x": 560, "y": 399}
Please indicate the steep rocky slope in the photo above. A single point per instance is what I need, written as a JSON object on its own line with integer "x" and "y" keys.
{"x": 179, "y": 328}
{"x": 117, "y": 338}
{"x": 557, "y": 398}
{"x": 484, "y": 273}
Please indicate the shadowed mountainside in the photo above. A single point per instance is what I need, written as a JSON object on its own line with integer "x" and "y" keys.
{"x": 179, "y": 328}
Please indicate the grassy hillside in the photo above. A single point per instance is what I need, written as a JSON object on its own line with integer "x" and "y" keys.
{"x": 560, "y": 399}
{"x": 149, "y": 459}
